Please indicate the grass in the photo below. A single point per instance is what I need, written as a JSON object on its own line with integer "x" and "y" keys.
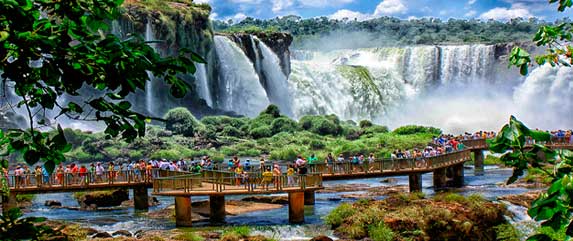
{"x": 25, "y": 197}
{"x": 338, "y": 214}
{"x": 236, "y": 233}
{"x": 189, "y": 236}
{"x": 380, "y": 232}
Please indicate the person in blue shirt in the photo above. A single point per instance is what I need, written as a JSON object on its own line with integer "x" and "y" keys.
{"x": 247, "y": 165}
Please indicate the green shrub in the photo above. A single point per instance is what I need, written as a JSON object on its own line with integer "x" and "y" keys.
{"x": 283, "y": 124}
{"x": 316, "y": 144}
{"x": 375, "y": 129}
{"x": 261, "y": 132}
{"x": 322, "y": 125}
{"x": 380, "y": 232}
{"x": 414, "y": 129}
{"x": 189, "y": 236}
{"x": 338, "y": 214}
{"x": 135, "y": 154}
{"x": 180, "y": 121}
{"x": 220, "y": 122}
{"x": 231, "y": 131}
{"x": 365, "y": 124}
{"x": 75, "y": 137}
{"x": 272, "y": 110}
{"x": 507, "y": 232}
{"x": 287, "y": 153}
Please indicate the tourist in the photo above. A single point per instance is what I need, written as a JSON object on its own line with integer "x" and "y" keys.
{"x": 277, "y": 176}
{"x": 120, "y": 172}
{"x": 355, "y": 162}
{"x": 148, "y": 171}
{"x": 92, "y": 173}
{"x": 340, "y": 162}
{"x": 267, "y": 178}
{"x": 26, "y": 174}
{"x": 99, "y": 172}
{"x": 18, "y": 176}
{"x": 312, "y": 160}
{"x": 262, "y": 167}
{"x": 230, "y": 165}
{"x": 38, "y": 176}
{"x": 329, "y": 163}
{"x": 110, "y": 172}
{"x": 238, "y": 175}
{"x": 371, "y": 161}
{"x": 74, "y": 171}
{"x": 247, "y": 165}
{"x": 236, "y": 162}
{"x": 290, "y": 175}
{"x": 60, "y": 174}
{"x": 301, "y": 165}
{"x": 83, "y": 174}
{"x": 68, "y": 175}
{"x": 46, "y": 176}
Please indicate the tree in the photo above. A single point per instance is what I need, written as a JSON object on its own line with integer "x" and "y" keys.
{"x": 52, "y": 48}
{"x": 181, "y": 121}
{"x": 556, "y": 38}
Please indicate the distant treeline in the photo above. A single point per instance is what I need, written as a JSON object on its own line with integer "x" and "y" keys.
{"x": 390, "y": 30}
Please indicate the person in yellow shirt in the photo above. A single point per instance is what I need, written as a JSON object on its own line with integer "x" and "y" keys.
{"x": 267, "y": 178}
{"x": 290, "y": 175}
{"x": 238, "y": 175}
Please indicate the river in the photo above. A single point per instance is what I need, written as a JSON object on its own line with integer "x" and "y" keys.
{"x": 271, "y": 223}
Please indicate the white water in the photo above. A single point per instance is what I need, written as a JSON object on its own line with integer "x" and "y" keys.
{"x": 149, "y": 95}
{"x": 202, "y": 84}
{"x": 277, "y": 85}
{"x": 239, "y": 87}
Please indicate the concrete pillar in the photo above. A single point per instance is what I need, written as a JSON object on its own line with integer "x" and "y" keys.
{"x": 9, "y": 202}
{"x": 478, "y": 162}
{"x": 458, "y": 171}
{"x": 309, "y": 198}
{"x": 415, "y": 182}
{"x": 217, "y": 209}
{"x": 183, "y": 212}
{"x": 140, "y": 198}
{"x": 296, "y": 207}
{"x": 440, "y": 180}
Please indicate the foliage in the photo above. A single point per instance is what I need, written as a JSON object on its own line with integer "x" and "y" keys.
{"x": 414, "y": 129}
{"x": 236, "y": 233}
{"x": 46, "y": 57}
{"x": 380, "y": 232}
{"x": 553, "y": 208}
{"x": 557, "y": 38}
{"x": 261, "y": 132}
{"x": 272, "y": 110}
{"x": 180, "y": 121}
{"x": 391, "y": 30}
{"x": 321, "y": 124}
{"x": 338, "y": 214}
{"x": 14, "y": 227}
{"x": 283, "y": 124}
{"x": 365, "y": 124}
{"x": 507, "y": 232}
{"x": 189, "y": 236}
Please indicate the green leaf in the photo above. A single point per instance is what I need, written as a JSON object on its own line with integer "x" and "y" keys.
{"x": 540, "y": 237}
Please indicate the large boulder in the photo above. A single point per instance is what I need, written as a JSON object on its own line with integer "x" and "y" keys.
{"x": 102, "y": 198}
{"x": 52, "y": 203}
{"x": 102, "y": 235}
{"x": 124, "y": 233}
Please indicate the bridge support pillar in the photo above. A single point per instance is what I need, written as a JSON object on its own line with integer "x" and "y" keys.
{"x": 415, "y": 182}
{"x": 296, "y": 207}
{"x": 9, "y": 202}
{"x": 440, "y": 178}
{"x": 183, "y": 216}
{"x": 217, "y": 209}
{"x": 140, "y": 198}
{"x": 309, "y": 198}
{"x": 458, "y": 171}
{"x": 478, "y": 162}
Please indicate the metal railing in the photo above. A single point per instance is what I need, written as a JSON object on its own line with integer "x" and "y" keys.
{"x": 215, "y": 181}
{"x": 475, "y": 143}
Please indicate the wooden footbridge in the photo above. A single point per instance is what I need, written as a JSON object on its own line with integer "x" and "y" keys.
{"x": 447, "y": 169}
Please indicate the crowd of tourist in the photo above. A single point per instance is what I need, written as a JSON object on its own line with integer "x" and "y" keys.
{"x": 145, "y": 170}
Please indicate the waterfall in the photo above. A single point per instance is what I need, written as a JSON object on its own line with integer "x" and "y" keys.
{"x": 277, "y": 85}
{"x": 149, "y": 95}
{"x": 240, "y": 89}
{"x": 202, "y": 84}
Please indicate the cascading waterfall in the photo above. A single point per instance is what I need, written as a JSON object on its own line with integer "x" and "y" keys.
{"x": 149, "y": 95}
{"x": 277, "y": 84}
{"x": 240, "y": 89}
{"x": 202, "y": 83}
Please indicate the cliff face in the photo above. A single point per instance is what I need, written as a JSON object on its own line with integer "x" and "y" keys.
{"x": 279, "y": 43}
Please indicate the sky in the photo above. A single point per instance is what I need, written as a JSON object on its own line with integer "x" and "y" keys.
{"x": 405, "y": 9}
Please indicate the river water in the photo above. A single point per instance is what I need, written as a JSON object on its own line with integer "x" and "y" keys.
{"x": 273, "y": 223}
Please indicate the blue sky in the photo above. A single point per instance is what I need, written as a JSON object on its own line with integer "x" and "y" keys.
{"x": 405, "y": 9}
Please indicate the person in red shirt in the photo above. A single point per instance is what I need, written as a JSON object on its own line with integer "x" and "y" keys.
{"x": 75, "y": 170}
{"x": 83, "y": 172}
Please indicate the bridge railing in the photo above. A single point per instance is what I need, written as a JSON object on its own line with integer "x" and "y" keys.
{"x": 391, "y": 165}
{"x": 67, "y": 180}
{"x": 475, "y": 143}
{"x": 215, "y": 181}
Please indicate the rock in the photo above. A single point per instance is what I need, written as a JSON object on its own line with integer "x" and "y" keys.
{"x": 523, "y": 199}
{"x": 321, "y": 238}
{"x": 267, "y": 199}
{"x": 257, "y": 238}
{"x": 124, "y": 233}
{"x": 152, "y": 201}
{"x": 52, "y": 203}
{"x": 102, "y": 235}
{"x": 91, "y": 231}
{"x": 345, "y": 188}
{"x": 334, "y": 199}
{"x": 102, "y": 198}
{"x": 389, "y": 180}
{"x": 138, "y": 234}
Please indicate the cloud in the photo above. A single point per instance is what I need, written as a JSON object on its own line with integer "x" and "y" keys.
{"x": 471, "y": 2}
{"x": 389, "y": 7}
{"x": 506, "y": 13}
{"x": 470, "y": 14}
{"x": 323, "y": 3}
{"x": 351, "y": 15}
{"x": 237, "y": 17}
{"x": 280, "y": 5}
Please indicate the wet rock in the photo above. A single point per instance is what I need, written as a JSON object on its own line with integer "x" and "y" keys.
{"x": 138, "y": 234}
{"x": 257, "y": 238}
{"x": 124, "y": 233}
{"x": 211, "y": 235}
{"x": 334, "y": 199}
{"x": 102, "y": 235}
{"x": 152, "y": 201}
{"x": 389, "y": 180}
{"x": 102, "y": 198}
{"x": 52, "y": 203}
{"x": 345, "y": 188}
{"x": 321, "y": 238}
{"x": 524, "y": 199}
{"x": 91, "y": 231}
